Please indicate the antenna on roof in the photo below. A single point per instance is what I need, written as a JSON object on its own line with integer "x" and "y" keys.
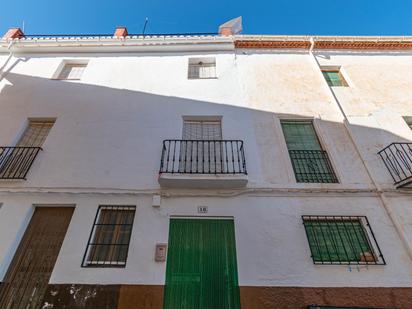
{"x": 145, "y": 24}
{"x": 23, "y": 26}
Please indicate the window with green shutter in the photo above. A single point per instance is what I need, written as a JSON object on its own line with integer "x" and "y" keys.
{"x": 340, "y": 240}
{"x": 334, "y": 78}
{"x": 310, "y": 163}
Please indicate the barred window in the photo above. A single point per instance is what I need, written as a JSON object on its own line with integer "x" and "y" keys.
{"x": 342, "y": 240}
{"x": 72, "y": 71}
{"x": 109, "y": 240}
{"x": 309, "y": 161}
{"x": 202, "y": 68}
{"x": 334, "y": 78}
{"x": 35, "y": 133}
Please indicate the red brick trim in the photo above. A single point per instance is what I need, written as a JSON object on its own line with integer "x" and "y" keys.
{"x": 303, "y": 44}
{"x": 273, "y": 44}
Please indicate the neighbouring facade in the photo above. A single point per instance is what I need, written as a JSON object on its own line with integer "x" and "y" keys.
{"x": 205, "y": 171}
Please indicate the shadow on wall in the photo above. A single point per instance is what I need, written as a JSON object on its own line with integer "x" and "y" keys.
{"x": 105, "y": 129}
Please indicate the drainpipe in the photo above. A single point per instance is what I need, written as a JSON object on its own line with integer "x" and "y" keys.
{"x": 386, "y": 204}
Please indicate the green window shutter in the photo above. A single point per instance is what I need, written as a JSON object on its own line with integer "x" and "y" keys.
{"x": 310, "y": 162}
{"x": 300, "y": 135}
{"x": 334, "y": 78}
{"x": 337, "y": 241}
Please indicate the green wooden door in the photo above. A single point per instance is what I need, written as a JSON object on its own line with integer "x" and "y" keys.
{"x": 201, "y": 265}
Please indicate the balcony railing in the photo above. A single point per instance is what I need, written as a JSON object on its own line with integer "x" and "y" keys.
{"x": 397, "y": 158}
{"x": 15, "y": 162}
{"x": 312, "y": 166}
{"x": 203, "y": 157}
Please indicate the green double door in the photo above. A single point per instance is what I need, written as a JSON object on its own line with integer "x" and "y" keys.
{"x": 201, "y": 265}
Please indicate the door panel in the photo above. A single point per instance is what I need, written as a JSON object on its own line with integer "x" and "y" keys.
{"x": 28, "y": 275}
{"x": 201, "y": 265}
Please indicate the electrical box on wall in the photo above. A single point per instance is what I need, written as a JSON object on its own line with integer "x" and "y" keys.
{"x": 156, "y": 201}
{"x": 160, "y": 252}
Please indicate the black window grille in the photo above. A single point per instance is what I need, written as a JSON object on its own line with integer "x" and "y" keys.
{"x": 310, "y": 162}
{"x": 109, "y": 239}
{"x": 312, "y": 166}
{"x": 342, "y": 240}
{"x": 397, "y": 158}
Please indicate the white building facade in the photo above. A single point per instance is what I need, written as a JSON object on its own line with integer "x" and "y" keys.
{"x": 210, "y": 171}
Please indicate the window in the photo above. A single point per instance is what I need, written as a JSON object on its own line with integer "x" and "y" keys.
{"x": 310, "y": 163}
{"x": 15, "y": 162}
{"x": 202, "y": 68}
{"x": 202, "y": 149}
{"x": 72, "y": 71}
{"x": 35, "y": 133}
{"x": 341, "y": 240}
{"x": 109, "y": 240}
{"x": 202, "y": 130}
{"x": 334, "y": 77}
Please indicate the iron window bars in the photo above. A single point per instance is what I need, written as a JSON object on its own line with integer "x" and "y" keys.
{"x": 109, "y": 239}
{"x": 15, "y": 162}
{"x": 203, "y": 157}
{"x": 397, "y": 158}
{"x": 310, "y": 162}
{"x": 342, "y": 240}
{"x": 312, "y": 166}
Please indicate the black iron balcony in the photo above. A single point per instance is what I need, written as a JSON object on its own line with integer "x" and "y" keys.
{"x": 398, "y": 160}
{"x": 15, "y": 162}
{"x": 312, "y": 166}
{"x": 203, "y": 157}
{"x": 203, "y": 163}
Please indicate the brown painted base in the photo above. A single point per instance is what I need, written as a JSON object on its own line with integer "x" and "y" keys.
{"x": 301, "y": 298}
{"x": 79, "y": 296}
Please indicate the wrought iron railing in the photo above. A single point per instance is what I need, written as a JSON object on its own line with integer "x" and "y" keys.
{"x": 312, "y": 166}
{"x": 15, "y": 162}
{"x": 397, "y": 158}
{"x": 203, "y": 157}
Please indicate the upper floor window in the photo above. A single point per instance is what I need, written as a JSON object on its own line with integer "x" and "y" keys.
{"x": 202, "y": 130}
{"x": 334, "y": 77}
{"x": 72, "y": 71}
{"x": 202, "y": 68}
{"x": 342, "y": 240}
{"x": 35, "y": 133}
{"x": 110, "y": 237}
{"x": 310, "y": 162}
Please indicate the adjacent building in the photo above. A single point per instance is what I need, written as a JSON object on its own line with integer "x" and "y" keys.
{"x": 205, "y": 171}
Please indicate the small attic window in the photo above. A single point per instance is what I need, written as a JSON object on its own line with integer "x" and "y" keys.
{"x": 72, "y": 71}
{"x": 202, "y": 68}
{"x": 334, "y": 77}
